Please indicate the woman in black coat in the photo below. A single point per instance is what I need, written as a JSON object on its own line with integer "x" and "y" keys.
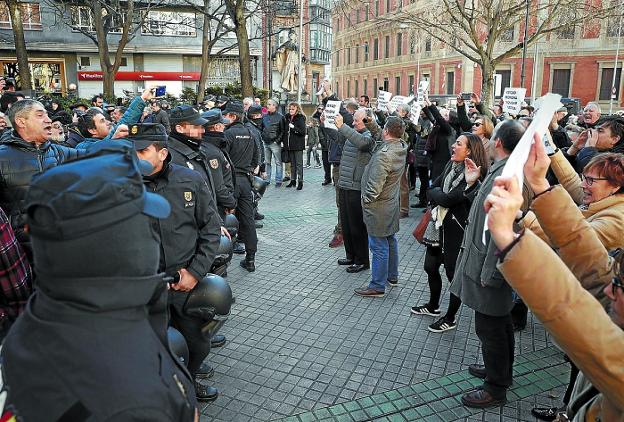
{"x": 447, "y": 196}
{"x": 294, "y": 142}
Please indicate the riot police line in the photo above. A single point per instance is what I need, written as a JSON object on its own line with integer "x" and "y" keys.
{"x": 95, "y": 226}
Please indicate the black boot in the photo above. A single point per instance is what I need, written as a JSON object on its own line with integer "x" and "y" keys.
{"x": 249, "y": 263}
{"x": 291, "y": 184}
{"x": 300, "y": 185}
{"x": 205, "y": 393}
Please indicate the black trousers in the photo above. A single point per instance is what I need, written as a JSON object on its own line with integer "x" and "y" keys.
{"x": 296, "y": 165}
{"x": 198, "y": 344}
{"x": 497, "y": 346}
{"x": 411, "y": 175}
{"x": 326, "y": 165}
{"x": 423, "y": 176}
{"x": 245, "y": 213}
{"x": 354, "y": 230}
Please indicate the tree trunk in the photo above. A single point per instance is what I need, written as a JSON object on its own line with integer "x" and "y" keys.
{"x": 20, "y": 45}
{"x": 244, "y": 58}
{"x": 206, "y": 46}
{"x": 487, "y": 83}
{"x": 108, "y": 83}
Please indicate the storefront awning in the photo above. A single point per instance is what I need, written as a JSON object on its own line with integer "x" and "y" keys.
{"x": 142, "y": 76}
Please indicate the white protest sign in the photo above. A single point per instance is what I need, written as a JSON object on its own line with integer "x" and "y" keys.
{"x": 332, "y": 108}
{"x": 396, "y": 101}
{"x": 514, "y": 166}
{"x": 512, "y": 100}
{"x": 383, "y": 99}
{"x": 415, "y": 112}
{"x": 422, "y": 88}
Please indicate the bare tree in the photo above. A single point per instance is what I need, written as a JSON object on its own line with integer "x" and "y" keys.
{"x": 103, "y": 20}
{"x": 21, "y": 53}
{"x": 480, "y": 29}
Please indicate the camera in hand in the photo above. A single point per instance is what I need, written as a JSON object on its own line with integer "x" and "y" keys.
{"x": 466, "y": 95}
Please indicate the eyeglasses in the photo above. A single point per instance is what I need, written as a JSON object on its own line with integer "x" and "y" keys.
{"x": 616, "y": 283}
{"x": 476, "y": 124}
{"x": 590, "y": 180}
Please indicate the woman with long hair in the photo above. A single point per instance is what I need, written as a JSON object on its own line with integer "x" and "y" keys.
{"x": 483, "y": 128}
{"x": 294, "y": 142}
{"x": 469, "y": 162}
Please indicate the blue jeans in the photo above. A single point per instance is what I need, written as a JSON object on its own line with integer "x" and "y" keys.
{"x": 385, "y": 265}
{"x": 271, "y": 151}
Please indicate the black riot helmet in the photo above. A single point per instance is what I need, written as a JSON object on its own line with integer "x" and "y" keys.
{"x": 230, "y": 222}
{"x": 224, "y": 252}
{"x": 210, "y": 299}
{"x": 177, "y": 345}
{"x": 259, "y": 185}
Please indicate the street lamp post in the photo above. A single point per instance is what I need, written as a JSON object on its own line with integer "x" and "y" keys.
{"x": 615, "y": 65}
{"x": 301, "y": 44}
{"x": 524, "y": 44}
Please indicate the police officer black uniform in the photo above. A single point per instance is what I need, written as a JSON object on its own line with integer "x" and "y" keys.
{"x": 219, "y": 162}
{"x": 93, "y": 337}
{"x": 241, "y": 147}
{"x": 189, "y": 237}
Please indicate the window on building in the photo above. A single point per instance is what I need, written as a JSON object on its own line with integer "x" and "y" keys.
{"x": 124, "y": 62}
{"x": 357, "y": 53}
{"x": 365, "y": 51}
{"x": 375, "y": 87}
{"x": 615, "y": 26}
{"x": 450, "y": 82}
{"x": 337, "y": 58}
{"x": 338, "y": 88}
{"x": 376, "y": 49}
{"x": 413, "y": 43}
{"x": 566, "y": 32}
{"x": 85, "y": 61}
{"x": 348, "y": 55}
{"x": 505, "y": 76}
{"x": 388, "y": 4}
{"x": 561, "y": 82}
{"x": 606, "y": 81}
{"x": 507, "y": 35}
{"x": 366, "y": 12}
{"x": 365, "y": 87}
{"x": 82, "y": 20}
{"x": 397, "y": 85}
{"x": 348, "y": 88}
{"x": 163, "y": 22}
{"x": 357, "y": 88}
{"x": 410, "y": 88}
{"x": 428, "y": 44}
{"x": 284, "y": 7}
{"x": 386, "y": 84}
{"x": 387, "y": 49}
{"x": 377, "y": 7}
{"x": 31, "y": 16}
{"x": 425, "y": 77}
{"x": 399, "y": 44}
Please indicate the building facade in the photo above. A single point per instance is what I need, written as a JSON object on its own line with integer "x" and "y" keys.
{"x": 166, "y": 50}
{"x": 370, "y": 53}
{"x": 317, "y": 42}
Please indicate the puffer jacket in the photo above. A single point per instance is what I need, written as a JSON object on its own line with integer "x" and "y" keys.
{"x": 380, "y": 187}
{"x": 559, "y": 290}
{"x": 605, "y": 217}
{"x": 19, "y": 162}
{"x": 356, "y": 153}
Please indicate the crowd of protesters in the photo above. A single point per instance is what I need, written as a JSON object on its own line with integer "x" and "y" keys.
{"x": 80, "y": 185}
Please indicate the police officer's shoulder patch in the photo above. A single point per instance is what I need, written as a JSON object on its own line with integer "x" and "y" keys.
{"x": 188, "y": 196}
{"x": 214, "y": 164}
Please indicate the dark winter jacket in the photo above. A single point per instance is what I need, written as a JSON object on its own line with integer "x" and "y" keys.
{"x": 294, "y": 137}
{"x": 442, "y": 137}
{"x": 274, "y": 127}
{"x": 241, "y": 147}
{"x": 220, "y": 168}
{"x": 19, "y": 162}
{"x": 334, "y": 139}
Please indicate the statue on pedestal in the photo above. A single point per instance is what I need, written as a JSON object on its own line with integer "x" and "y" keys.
{"x": 287, "y": 61}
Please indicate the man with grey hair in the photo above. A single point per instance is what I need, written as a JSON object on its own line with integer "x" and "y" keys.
{"x": 247, "y": 102}
{"x": 591, "y": 115}
{"x": 274, "y": 126}
{"x": 25, "y": 152}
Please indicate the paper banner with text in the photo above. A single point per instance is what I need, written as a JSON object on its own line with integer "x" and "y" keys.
{"x": 383, "y": 99}
{"x": 514, "y": 166}
{"x": 512, "y": 100}
{"x": 397, "y": 100}
{"x": 332, "y": 108}
{"x": 423, "y": 86}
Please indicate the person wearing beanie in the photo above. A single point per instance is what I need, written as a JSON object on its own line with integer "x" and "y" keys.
{"x": 92, "y": 342}
{"x": 189, "y": 238}
{"x": 241, "y": 147}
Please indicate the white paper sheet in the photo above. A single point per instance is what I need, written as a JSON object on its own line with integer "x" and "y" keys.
{"x": 332, "y": 108}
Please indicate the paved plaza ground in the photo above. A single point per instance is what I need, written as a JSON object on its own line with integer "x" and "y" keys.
{"x": 301, "y": 347}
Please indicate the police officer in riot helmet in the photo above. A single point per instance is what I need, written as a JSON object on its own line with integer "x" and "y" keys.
{"x": 189, "y": 239}
{"x": 241, "y": 147}
{"x": 254, "y": 122}
{"x": 219, "y": 164}
{"x": 91, "y": 344}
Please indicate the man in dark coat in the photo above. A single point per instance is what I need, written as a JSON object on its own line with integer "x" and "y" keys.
{"x": 159, "y": 115}
{"x": 241, "y": 147}
{"x": 480, "y": 286}
{"x": 25, "y": 152}
{"x": 94, "y": 331}
{"x": 189, "y": 238}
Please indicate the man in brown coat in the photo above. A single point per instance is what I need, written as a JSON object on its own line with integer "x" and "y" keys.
{"x": 380, "y": 203}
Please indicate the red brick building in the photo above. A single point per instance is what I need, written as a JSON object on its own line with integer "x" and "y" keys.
{"x": 369, "y": 53}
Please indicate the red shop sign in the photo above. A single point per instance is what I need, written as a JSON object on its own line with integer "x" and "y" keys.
{"x": 142, "y": 76}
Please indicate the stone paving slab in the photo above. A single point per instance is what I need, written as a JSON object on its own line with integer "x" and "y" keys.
{"x": 300, "y": 341}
